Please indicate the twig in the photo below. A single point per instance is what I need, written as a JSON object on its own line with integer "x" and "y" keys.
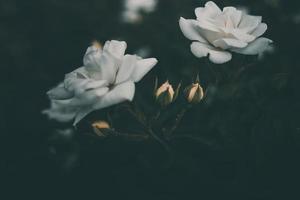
{"x": 136, "y": 137}
{"x": 212, "y": 70}
{"x": 178, "y": 119}
{"x": 149, "y": 130}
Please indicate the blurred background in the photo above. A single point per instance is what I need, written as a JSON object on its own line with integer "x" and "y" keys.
{"x": 249, "y": 126}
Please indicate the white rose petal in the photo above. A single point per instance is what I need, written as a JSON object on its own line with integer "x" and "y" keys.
{"x": 60, "y": 92}
{"x": 122, "y": 92}
{"x": 60, "y": 113}
{"x": 216, "y": 56}
{"x": 90, "y": 54}
{"x": 210, "y": 10}
{"x": 227, "y": 43}
{"x": 107, "y": 70}
{"x": 234, "y": 15}
{"x": 249, "y": 22}
{"x": 260, "y": 30}
{"x": 126, "y": 69}
{"x": 239, "y": 35}
{"x": 256, "y": 47}
{"x": 142, "y": 67}
{"x": 95, "y": 84}
{"x": 116, "y": 48}
{"x": 189, "y": 29}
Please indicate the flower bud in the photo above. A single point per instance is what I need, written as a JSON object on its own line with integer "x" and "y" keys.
{"x": 165, "y": 94}
{"x": 99, "y": 126}
{"x": 194, "y": 93}
{"x": 96, "y": 44}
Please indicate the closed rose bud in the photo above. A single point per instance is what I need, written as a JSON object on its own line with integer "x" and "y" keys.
{"x": 99, "y": 126}
{"x": 165, "y": 94}
{"x": 194, "y": 93}
{"x": 96, "y": 44}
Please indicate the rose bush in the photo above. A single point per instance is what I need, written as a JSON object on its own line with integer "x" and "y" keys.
{"x": 107, "y": 78}
{"x": 216, "y": 32}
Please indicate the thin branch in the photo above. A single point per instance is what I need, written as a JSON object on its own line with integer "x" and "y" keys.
{"x": 135, "y": 137}
{"x": 178, "y": 119}
{"x": 150, "y": 131}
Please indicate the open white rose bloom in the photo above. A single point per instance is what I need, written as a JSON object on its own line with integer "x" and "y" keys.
{"x": 216, "y": 33}
{"x": 107, "y": 78}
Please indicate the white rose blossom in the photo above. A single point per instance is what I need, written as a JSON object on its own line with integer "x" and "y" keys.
{"x": 107, "y": 78}
{"x": 216, "y": 32}
{"x": 133, "y": 9}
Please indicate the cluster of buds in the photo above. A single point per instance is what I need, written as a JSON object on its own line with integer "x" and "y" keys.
{"x": 165, "y": 94}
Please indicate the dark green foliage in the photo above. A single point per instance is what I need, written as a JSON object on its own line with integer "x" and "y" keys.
{"x": 241, "y": 142}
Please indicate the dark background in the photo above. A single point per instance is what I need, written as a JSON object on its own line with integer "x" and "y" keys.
{"x": 249, "y": 126}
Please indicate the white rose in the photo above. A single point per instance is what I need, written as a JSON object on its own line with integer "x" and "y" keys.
{"x": 216, "y": 32}
{"x": 107, "y": 78}
{"x": 134, "y": 8}
{"x": 143, "y": 5}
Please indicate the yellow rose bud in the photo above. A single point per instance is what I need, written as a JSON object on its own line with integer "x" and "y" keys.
{"x": 99, "y": 126}
{"x": 97, "y": 44}
{"x": 194, "y": 93}
{"x": 165, "y": 94}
